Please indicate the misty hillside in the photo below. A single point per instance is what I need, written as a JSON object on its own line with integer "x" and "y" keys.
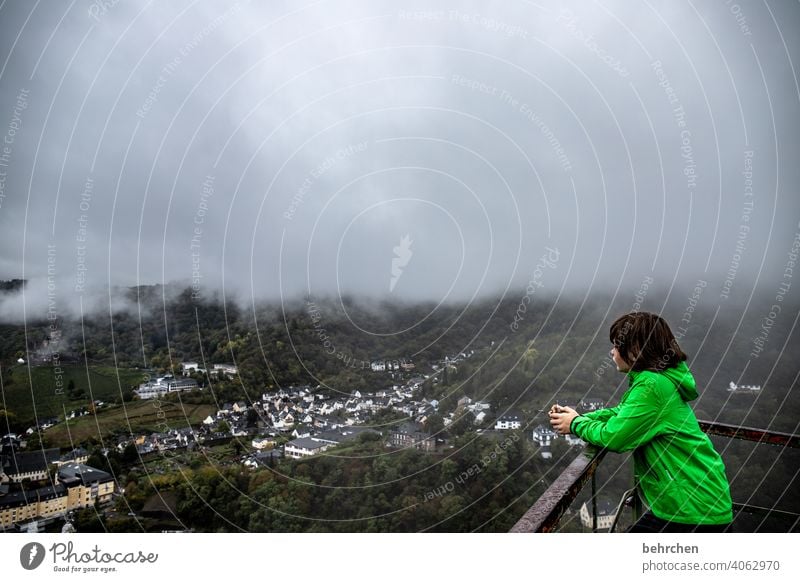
{"x": 557, "y": 349}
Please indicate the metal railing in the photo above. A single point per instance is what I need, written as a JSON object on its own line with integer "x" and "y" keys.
{"x": 545, "y": 515}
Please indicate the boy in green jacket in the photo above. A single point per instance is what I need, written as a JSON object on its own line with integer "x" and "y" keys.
{"x": 680, "y": 475}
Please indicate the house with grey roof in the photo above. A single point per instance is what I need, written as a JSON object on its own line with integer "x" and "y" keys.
{"x": 33, "y": 465}
{"x": 304, "y": 447}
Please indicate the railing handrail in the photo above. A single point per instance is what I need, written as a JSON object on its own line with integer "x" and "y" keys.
{"x": 759, "y": 435}
{"x": 546, "y": 513}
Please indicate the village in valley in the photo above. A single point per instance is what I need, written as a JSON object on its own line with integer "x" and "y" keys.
{"x": 38, "y": 488}
{"x": 301, "y": 421}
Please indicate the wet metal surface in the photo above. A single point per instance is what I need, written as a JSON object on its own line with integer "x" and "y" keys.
{"x": 548, "y": 509}
{"x": 751, "y": 434}
{"x": 545, "y": 514}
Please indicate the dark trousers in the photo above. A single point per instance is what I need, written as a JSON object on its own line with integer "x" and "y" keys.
{"x": 649, "y": 523}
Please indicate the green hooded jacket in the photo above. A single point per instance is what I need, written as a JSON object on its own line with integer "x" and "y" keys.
{"x": 679, "y": 473}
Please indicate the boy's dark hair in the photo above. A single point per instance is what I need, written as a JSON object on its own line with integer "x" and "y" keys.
{"x": 645, "y": 341}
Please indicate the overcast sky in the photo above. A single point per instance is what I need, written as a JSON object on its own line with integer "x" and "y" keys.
{"x": 436, "y": 150}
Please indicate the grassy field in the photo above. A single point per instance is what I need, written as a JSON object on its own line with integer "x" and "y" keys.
{"x": 138, "y": 416}
{"x": 24, "y": 394}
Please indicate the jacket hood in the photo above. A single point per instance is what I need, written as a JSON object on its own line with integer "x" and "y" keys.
{"x": 683, "y": 380}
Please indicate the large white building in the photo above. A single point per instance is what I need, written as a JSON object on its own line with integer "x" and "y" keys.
{"x": 165, "y": 385}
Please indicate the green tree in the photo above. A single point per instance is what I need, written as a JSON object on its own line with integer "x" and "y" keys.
{"x": 434, "y": 424}
{"x": 129, "y": 455}
{"x": 89, "y": 520}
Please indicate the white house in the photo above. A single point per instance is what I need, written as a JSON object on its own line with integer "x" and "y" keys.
{"x": 543, "y": 435}
{"x": 165, "y": 385}
{"x": 478, "y": 406}
{"x": 591, "y": 404}
{"x": 605, "y": 515}
{"x": 733, "y": 387}
{"x": 189, "y": 367}
{"x": 227, "y": 369}
{"x": 511, "y": 420}
{"x": 261, "y": 443}
{"x": 301, "y": 433}
{"x": 304, "y": 447}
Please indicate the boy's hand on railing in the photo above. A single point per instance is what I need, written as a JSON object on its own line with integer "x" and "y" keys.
{"x": 561, "y": 418}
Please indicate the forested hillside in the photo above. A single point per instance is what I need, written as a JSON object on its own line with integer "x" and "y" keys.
{"x": 556, "y": 350}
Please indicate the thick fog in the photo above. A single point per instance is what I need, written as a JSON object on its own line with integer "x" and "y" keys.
{"x": 414, "y": 150}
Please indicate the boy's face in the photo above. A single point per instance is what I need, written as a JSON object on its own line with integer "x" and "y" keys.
{"x": 622, "y": 365}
